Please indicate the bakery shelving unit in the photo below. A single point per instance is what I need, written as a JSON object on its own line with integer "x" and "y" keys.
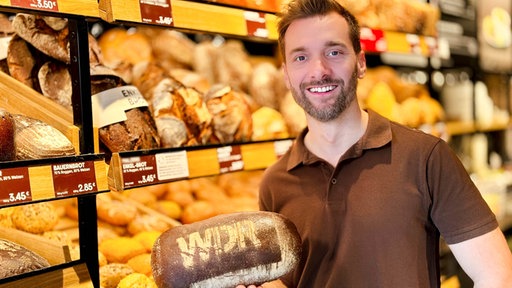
{"x": 141, "y": 168}
{"x": 80, "y": 176}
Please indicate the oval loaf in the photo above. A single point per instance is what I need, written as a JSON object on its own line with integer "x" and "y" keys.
{"x": 226, "y": 250}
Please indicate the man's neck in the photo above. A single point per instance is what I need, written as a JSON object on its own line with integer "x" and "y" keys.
{"x": 330, "y": 140}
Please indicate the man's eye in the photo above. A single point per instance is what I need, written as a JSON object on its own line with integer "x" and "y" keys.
{"x": 300, "y": 58}
{"x": 334, "y": 53}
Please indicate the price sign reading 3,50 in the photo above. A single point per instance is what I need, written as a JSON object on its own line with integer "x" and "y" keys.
{"x": 49, "y": 5}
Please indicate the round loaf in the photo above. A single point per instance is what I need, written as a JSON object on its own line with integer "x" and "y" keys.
{"x": 7, "y": 132}
{"x": 226, "y": 250}
{"x": 16, "y": 259}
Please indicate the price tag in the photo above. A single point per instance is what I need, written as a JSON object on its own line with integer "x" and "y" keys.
{"x": 230, "y": 159}
{"x": 140, "y": 170}
{"x": 156, "y": 12}
{"x": 373, "y": 40}
{"x": 172, "y": 165}
{"x": 256, "y": 24}
{"x": 14, "y": 186}
{"x": 49, "y": 5}
{"x": 74, "y": 178}
{"x": 282, "y": 146}
{"x": 152, "y": 169}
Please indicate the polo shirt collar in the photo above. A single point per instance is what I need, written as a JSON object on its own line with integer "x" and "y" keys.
{"x": 378, "y": 134}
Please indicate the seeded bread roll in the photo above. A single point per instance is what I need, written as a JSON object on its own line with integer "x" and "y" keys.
{"x": 226, "y": 250}
{"x": 16, "y": 259}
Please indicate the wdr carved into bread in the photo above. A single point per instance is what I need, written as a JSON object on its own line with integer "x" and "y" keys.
{"x": 226, "y": 250}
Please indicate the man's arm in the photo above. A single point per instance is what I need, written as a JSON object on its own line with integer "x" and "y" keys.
{"x": 486, "y": 259}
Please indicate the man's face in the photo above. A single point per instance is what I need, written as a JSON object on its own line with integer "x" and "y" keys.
{"x": 321, "y": 67}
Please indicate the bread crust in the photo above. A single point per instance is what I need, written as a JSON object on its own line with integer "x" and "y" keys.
{"x": 226, "y": 250}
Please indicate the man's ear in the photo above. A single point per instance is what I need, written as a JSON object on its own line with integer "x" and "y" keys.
{"x": 285, "y": 75}
{"x": 361, "y": 65}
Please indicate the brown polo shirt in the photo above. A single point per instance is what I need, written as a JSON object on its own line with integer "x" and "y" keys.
{"x": 375, "y": 219}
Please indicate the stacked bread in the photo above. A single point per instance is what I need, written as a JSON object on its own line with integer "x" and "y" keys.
{"x": 408, "y": 103}
{"x": 200, "y": 91}
{"x": 129, "y": 222}
{"x": 395, "y": 15}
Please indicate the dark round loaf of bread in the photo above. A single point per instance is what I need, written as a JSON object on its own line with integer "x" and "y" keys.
{"x": 226, "y": 250}
{"x": 16, "y": 259}
{"x": 7, "y": 133}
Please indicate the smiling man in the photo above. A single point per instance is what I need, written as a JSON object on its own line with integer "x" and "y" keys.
{"x": 369, "y": 197}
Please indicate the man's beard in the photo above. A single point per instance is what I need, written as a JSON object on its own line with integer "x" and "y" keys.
{"x": 331, "y": 112}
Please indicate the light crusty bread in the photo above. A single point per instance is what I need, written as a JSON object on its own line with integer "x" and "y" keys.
{"x": 16, "y": 259}
{"x": 226, "y": 250}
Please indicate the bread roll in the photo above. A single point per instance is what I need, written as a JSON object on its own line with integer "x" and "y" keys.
{"x": 226, "y": 250}
{"x": 16, "y": 259}
{"x": 35, "y": 218}
{"x": 7, "y": 147}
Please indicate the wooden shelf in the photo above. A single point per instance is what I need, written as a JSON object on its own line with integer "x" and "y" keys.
{"x": 468, "y": 127}
{"x": 75, "y": 7}
{"x": 140, "y": 168}
{"x": 73, "y": 276}
{"x": 47, "y": 179}
{"x": 190, "y": 15}
{"x": 379, "y": 41}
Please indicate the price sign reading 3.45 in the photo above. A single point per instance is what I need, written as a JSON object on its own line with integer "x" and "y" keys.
{"x": 139, "y": 171}
{"x": 14, "y": 186}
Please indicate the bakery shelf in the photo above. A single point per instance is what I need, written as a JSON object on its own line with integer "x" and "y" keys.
{"x": 75, "y": 7}
{"x": 460, "y": 127}
{"x": 272, "y": 6}
{"x": 50, "y": 179}
{"x": 72, "y": 275}
{"x": 140, "y": 168}
{"x": 468, "y": 127}
{"x": 190, "y": 15}
{"x": 37, "y": 106}
{"x": 380, "y": 41}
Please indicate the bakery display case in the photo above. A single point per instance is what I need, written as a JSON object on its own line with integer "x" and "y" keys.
{"x": 206, "y": 163}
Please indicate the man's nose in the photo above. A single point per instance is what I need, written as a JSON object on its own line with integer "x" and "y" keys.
{"x": 320, "y": 68}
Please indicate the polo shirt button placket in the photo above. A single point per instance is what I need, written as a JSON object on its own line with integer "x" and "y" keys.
{"x": 333, "y": 181}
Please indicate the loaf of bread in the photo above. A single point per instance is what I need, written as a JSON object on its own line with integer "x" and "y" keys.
{"x": 226, "y": 250}
{"x": 16, "y": 259}
{"x": 7, "y": 147}
{"x": 232, "y": 117}
{"x": 138, "y": 129}
{"x": 55, "y": 83}
{"x": 21, "y": 61}
{"x": 36, "y": 139}
{"x": 50, "y": 35}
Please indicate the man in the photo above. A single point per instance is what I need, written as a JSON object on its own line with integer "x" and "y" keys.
{"x": 369, "y": 197}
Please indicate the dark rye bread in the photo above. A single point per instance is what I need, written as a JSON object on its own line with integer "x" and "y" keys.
{"x": 226, "y": 250}
{"x": 16, "y": 259}
{"x": 7, "y": 133}
{"x": 137, "y": 132}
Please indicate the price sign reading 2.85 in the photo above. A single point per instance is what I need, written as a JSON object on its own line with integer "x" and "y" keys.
{"x": 49, "y": 5}
{"x": 74, "y": 178}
